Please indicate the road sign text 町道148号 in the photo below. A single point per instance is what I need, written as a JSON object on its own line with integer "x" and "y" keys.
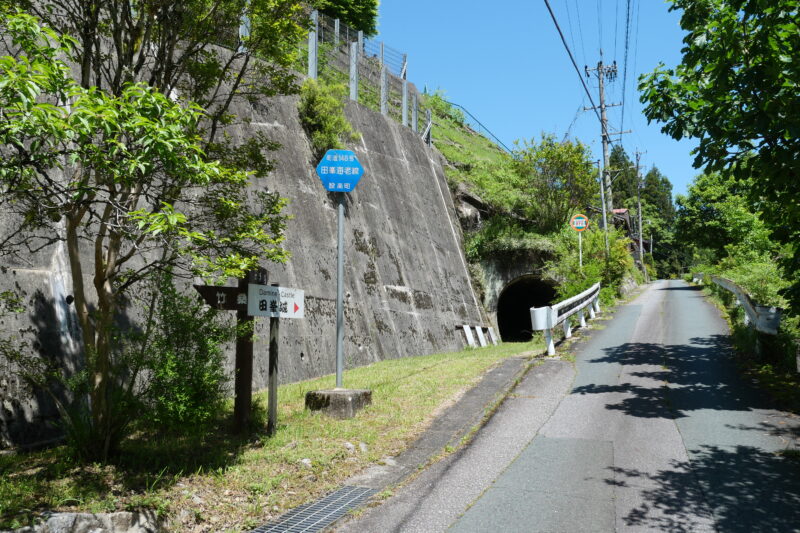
{"x": 339, "y": 170}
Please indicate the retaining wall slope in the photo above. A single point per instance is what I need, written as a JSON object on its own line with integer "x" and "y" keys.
{"x": 406, "y": 280}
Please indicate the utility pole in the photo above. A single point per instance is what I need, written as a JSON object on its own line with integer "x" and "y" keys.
{"x": 603, "y": 204}
{"x": 605, "y": 73}
{"x": 639, "y": 210}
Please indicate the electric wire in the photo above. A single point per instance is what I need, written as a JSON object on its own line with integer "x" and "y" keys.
{"x": 577, "y": 70}
{"x": 625, "y": 65}
{"x": 569, "y": 23}
{"x": 600, "y": 28}
{"x": 580, "y": 32}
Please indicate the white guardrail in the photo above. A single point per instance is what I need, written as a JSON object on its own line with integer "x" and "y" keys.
{"x": 764, "y": 318}
{"x": 547, "y": 318}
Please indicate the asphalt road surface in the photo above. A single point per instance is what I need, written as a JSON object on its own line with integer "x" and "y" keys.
{"x": 651, "y": 429}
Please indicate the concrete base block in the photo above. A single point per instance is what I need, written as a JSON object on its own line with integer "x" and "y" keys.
{"x": 338, "y": 403}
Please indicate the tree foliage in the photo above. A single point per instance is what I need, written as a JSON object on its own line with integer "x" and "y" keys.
{"x": 737, "y": 90}
{"x": 188, "y": 49}
{"x": 550, "y": 181}
{"x": 358, "y": 14}
{"x": 122, "y": 179}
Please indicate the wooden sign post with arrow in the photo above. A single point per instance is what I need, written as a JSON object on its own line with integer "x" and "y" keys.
{"x": 235, "y": 299}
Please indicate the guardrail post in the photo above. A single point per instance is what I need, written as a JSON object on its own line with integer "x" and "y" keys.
{"x": 312, "y": 45}
{"x": 354, "y": 71}
{"x": 596, "y": 305}
{"x": 567, "y": 328}
{"x": 740, "y": 303}
{"x": 582, "y": 318}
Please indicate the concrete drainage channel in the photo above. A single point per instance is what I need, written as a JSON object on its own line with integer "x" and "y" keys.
{"x": 318, "y": 515}
{"x": 448, "y": 430}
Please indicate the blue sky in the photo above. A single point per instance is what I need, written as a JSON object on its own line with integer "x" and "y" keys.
{"x": 505, "y": 63}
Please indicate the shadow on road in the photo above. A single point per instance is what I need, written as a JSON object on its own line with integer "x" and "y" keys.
{"x": 682, "y": 288}
{"x": 745, "y": 488}
{"x": 689, "y": 377}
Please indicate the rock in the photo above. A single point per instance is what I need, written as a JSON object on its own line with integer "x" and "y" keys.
{"x": 186, "y": 516}
{"x": 122, "y": 522}
{"x": 350, "y": 447}
{"x": 363, "y": 447}
{"x": 305, "y": 463}
{"x": 197, "y": 500}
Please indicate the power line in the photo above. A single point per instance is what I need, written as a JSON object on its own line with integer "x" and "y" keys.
{"x": 577, "y": 70}
{"x": 580, "y": 30}
{"x": 625, "y": 64}
{"x": 600, "y": 27}
{"x": 569, "y": 23}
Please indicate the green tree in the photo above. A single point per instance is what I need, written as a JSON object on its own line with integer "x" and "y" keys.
{"x": 358, "y": 14}
{"x": 657, "y": 191}
{"x": 551, "y": 181}
{"x": 623, "y": 174}
{"x": 737, "y": 90}
{"x": 191, "y": 50}
{"x": 716, "y": 216}
{"x": 122, "y": 179}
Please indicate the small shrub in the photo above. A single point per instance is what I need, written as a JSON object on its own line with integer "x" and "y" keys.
{"x": 321, "y": 109}
{"x": 186, "y": 385}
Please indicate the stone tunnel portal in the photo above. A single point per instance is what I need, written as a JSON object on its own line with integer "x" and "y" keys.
{"x": 514, "y": 304}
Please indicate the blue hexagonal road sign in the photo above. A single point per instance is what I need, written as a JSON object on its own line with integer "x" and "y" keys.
{"x": 339, "y": 170}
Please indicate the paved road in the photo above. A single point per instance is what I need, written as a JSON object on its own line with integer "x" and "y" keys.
{"x": 650, "y": 430}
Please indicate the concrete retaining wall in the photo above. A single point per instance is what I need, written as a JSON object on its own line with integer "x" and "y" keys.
{"x": 407, "y": 285}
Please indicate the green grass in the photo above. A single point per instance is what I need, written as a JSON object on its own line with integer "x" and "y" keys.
{"x": 233, "y": 484}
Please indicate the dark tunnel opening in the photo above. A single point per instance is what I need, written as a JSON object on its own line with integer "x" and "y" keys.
{"x": 514, "y": 307}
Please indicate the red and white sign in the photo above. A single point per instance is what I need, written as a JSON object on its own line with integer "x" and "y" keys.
{"x": 579, "y": 222}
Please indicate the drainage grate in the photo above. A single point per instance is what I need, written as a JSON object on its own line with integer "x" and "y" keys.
{"x": 317, "y": 515}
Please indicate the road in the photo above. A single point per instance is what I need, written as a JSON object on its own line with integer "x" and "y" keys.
{"x": 651, "y": 429}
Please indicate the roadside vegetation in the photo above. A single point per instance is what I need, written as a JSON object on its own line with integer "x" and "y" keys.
{"x": 735, "y": 91}
{"x": 227, "y": 483}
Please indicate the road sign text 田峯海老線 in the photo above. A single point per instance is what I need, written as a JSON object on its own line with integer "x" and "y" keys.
{"x": 339, "y": 170}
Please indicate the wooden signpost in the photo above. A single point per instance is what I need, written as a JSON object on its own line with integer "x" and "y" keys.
{"x": 253, "y": 297}
{"x": 235, "y": 299}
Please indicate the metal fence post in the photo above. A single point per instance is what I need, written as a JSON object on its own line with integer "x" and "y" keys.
{"x": 360, "y": 42}
{"x": 404, "y": 76}
{"x": 414, "y": 113}
{"x": 244, "y": 31}
{"x": 336, "y": 33}
{"x": 429, "y": 127}
{"x": 384, "y": 85}
{"x": 384, "y": 91}
{"x": 354, "y": 71}
{"x": 312, "y": 45}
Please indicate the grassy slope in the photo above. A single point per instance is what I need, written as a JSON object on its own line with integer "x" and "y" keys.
{"x": 231, "y": 484}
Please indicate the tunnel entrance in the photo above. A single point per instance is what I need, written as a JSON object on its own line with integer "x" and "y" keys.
{"x": 514, "y": 305}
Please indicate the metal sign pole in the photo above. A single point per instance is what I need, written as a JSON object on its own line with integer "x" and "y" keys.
{"x": 340, "y": 295}
{"x": 580, "y": 250}
{"x": 274, "y": 335}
